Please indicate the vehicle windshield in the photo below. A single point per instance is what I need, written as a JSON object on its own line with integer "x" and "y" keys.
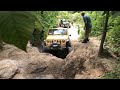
{"x": 57, "y": 32}
{"x": 65, "y": 22}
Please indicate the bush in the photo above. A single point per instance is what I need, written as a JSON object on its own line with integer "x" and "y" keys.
{"x": 97, "y": 23}
{"x": 114, "y": 74}
{"x": 113, "y": 37}
{"x": 112, "y": 41}
{"x": 82, "y": 34}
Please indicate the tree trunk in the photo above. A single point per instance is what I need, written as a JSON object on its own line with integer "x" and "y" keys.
{"x": 104, "y": 34}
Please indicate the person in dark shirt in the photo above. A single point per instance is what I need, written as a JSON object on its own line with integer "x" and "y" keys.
{"x": 61, "y": 23}
{"x": 87, "y": 27}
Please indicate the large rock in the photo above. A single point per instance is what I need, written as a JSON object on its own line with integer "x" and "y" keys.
{"x": 35, "y": 66}
{"x": 13, "y": 53}
{"x": 71, "y": 67}
{"x": 18, "y": 54}
{"x": 8, "y": 69}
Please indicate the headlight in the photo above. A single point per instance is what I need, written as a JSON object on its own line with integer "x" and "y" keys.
{"x": 67, "y": 40}
{"x": 48, "y": 41}
{"x": 63, "y": 41}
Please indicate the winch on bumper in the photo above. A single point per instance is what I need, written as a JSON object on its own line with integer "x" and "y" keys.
{"x": 56, "y": 46}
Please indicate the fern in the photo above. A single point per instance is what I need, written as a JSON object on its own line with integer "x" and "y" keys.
{"x": 16, "y": 27}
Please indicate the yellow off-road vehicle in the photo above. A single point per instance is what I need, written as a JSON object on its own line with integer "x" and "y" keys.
{"x": 57, "y": 39}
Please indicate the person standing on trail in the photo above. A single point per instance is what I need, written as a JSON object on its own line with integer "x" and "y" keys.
{"x": 87, "y": 27}
{"x": 61, "y": 23}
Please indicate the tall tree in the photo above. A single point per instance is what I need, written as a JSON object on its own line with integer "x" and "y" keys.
{"x": 104, "y": 34}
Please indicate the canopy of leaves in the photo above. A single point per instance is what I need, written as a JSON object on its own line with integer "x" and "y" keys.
{"x": 48, "y": 19}
{"x": 64, "y": 15}
{"x": 98, "y": 21}
{"x": 113, "y": 37}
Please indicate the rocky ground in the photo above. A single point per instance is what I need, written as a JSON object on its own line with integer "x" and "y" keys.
{"x": 82, "y": 63}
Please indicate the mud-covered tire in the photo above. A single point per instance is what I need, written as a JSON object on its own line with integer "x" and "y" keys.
{"x": 70, "y": 49}
{"x": 68, "y": 44}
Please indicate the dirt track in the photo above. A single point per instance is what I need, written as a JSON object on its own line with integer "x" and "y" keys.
{"x": 81, "y": 63}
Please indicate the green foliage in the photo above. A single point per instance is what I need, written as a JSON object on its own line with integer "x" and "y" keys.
{"x": 115, "y": 14}
{"x": 64, "y": 15}
{"x": 82, "y": 34}
{"x": 113, "y": 37}
{"x": 72, "y": 17}
{"x": 114, "y": 74}
{"x": 97, "y": 22}
{"x": 49, "y": 19}
{"x": 77, "y": 18}
{"x": 112, "y": 41}
{"x": 16, "y": 27}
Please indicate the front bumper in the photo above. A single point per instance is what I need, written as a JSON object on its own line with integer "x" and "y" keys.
{"x": 55, "y": 46}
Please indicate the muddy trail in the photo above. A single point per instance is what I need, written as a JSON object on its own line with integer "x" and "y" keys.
{"x": 81, "y": 63}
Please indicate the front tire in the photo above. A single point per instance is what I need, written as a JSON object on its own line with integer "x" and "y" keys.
{"x": 68, "y": 44}
{"x": 68, "y": 47}
{"x": 43, "y": 47}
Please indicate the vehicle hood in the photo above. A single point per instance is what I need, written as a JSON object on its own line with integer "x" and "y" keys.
{"x": 57, "y": 37}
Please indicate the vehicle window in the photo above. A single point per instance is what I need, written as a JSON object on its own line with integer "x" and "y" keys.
{"x": 51, "y": 32}
{"x": 58, "y": 32}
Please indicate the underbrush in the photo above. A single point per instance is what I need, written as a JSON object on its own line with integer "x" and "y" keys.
{"x": 114, "y": 74}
